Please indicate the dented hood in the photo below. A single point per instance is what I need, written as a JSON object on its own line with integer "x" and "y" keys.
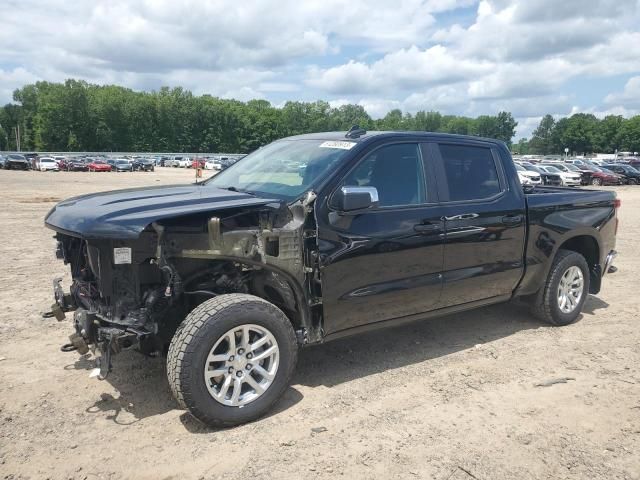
{"x": 124, "y": 214}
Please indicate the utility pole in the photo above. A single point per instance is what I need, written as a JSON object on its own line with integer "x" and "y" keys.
{"x": 16, "y": 130}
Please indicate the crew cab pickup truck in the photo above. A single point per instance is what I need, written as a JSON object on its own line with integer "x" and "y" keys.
{"x": 311, "y": 238}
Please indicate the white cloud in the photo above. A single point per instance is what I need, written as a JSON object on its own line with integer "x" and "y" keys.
{"x": 10, "y": 80}
{"x": 629, "y": 97}
{"x": 402, "y": 70}
{"x": 518, "y": 55}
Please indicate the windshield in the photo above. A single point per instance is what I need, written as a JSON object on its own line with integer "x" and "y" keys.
{"x": 285, "y": 169}
{"x": 552, "y": 169}
{"x": 520, "y": 168}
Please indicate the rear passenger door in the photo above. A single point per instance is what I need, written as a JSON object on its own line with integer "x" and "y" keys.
{"x": 484, "y": 223}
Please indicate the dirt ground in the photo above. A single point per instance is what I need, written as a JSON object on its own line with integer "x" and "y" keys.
{"x": 451, "y": 399}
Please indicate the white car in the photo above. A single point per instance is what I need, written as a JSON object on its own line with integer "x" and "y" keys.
{"x": 48, "y": 164}
{"x": 182, "y": 162}
{"x": 212, "y": 165}
{"x": 567, "y": 168}
{"x": 528, "y": 177}
{"x": 569, "y": 179}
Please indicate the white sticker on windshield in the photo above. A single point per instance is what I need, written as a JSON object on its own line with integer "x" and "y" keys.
{"x": 336, "y": 144}
{"x": 122, "y": 255}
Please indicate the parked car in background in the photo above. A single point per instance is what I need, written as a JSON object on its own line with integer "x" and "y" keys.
{"x": 48, "y": 164}
{"x": 122, "y": 165}
{"x": 34, "y": 160}
{"x": 16, "y": 161}
{"x": 178, "y": 161}
{"x": 631, "y": 175}
{"x": 99, "y": 166}
{"x": 599, "y": 177}
{"x": 77, "y": 165}
{"x": 526, "y": 177}
{"x": 212, "y": 164}
{"x": 570, "y": 168}
{"x": 198, "y": 163}
{"x": 2, "y": 161}
{"x": 551, "y": 179}
{"x": 569, "y": 179}
{"x": 634, "y": 162}
{"x": 143, "y": 165}
{"x": 622, "y": 180}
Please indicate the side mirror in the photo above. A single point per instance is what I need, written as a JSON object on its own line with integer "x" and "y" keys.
{"x": 349, "y": 199}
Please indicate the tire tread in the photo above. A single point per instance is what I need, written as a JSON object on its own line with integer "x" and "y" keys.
{"x": 190, "y": 333}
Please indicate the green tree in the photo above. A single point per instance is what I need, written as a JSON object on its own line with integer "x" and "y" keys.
{"x": 629, "y": 136}
{"x": 606, "y": 135}
{"x": 579, "y": 133}
{"x": 541, "y": 142}
{"x": 522, "y": 147}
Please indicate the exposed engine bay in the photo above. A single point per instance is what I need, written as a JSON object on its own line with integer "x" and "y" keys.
{"x": 133, "y": 294}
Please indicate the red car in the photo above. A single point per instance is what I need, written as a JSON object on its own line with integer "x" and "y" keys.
{"x": 99, "y": 166}
{"x": 198, "y": 163}
{"x": 598, "y": 177}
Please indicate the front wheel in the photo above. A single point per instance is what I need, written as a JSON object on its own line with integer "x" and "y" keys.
{"x": 231, "y": 359}
{"x": 596, "y": 182}
{"x": 559, "y": 302}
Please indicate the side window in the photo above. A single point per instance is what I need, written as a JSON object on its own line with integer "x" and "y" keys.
{"x": 395, "y": 171}
{"x": 471, "y": 172}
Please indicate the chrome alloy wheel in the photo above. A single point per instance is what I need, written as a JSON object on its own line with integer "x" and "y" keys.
{"x": 570, "y": 289}
{"x": 242, "y": 365}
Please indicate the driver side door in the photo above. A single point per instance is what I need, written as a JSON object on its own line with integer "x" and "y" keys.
{"x": 383, "y": 262}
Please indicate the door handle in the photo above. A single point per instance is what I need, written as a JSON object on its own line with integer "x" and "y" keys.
{"x": 464, "y": 216}
{"x": 427, "y": 227}
{"x": 512, "y": 219}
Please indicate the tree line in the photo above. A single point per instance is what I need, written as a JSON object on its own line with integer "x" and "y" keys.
{"x": 582, "y": 133}
{"x": 78, "y": 116}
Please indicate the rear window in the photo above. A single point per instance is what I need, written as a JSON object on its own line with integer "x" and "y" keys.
{"x": 470, "y": 171}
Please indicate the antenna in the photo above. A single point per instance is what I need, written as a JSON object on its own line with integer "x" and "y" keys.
{"x": 355, "y": 132}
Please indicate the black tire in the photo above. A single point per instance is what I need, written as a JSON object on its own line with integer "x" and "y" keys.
{"x": 545, "y": 302}
{"x": 198, "y": 333}
{"x": 596, "y": 181}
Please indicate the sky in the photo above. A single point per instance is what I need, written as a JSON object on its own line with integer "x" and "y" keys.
{"x": 463, "y": 57}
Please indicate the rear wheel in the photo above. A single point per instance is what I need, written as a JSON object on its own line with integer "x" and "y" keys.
{"x": 231, "y": 359}
{"x": 559, "y": 302}
{"x": 596, "y": 181}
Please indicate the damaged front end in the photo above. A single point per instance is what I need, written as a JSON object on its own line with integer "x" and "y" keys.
{"x": 133, "y": 293}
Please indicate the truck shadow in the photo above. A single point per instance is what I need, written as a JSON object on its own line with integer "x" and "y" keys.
{"x": 142, "y": 384}
{"x": 367, "y": 354}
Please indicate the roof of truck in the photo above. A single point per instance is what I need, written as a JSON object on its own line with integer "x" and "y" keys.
{"x": 369, "y": 135}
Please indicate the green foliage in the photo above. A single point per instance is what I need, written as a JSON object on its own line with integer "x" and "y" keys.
{"x": 80, "y": 116}
{"x": 584, "y": 133}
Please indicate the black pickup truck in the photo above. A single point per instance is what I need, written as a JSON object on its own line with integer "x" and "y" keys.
{"x": 315, "y": 237}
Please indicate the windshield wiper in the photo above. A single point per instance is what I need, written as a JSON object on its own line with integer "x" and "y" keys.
{"x": 239, "y": 190}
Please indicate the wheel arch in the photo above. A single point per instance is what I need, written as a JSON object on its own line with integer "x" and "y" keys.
{"x": 589, "y": 248}
{"x": 282, "y": 289}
